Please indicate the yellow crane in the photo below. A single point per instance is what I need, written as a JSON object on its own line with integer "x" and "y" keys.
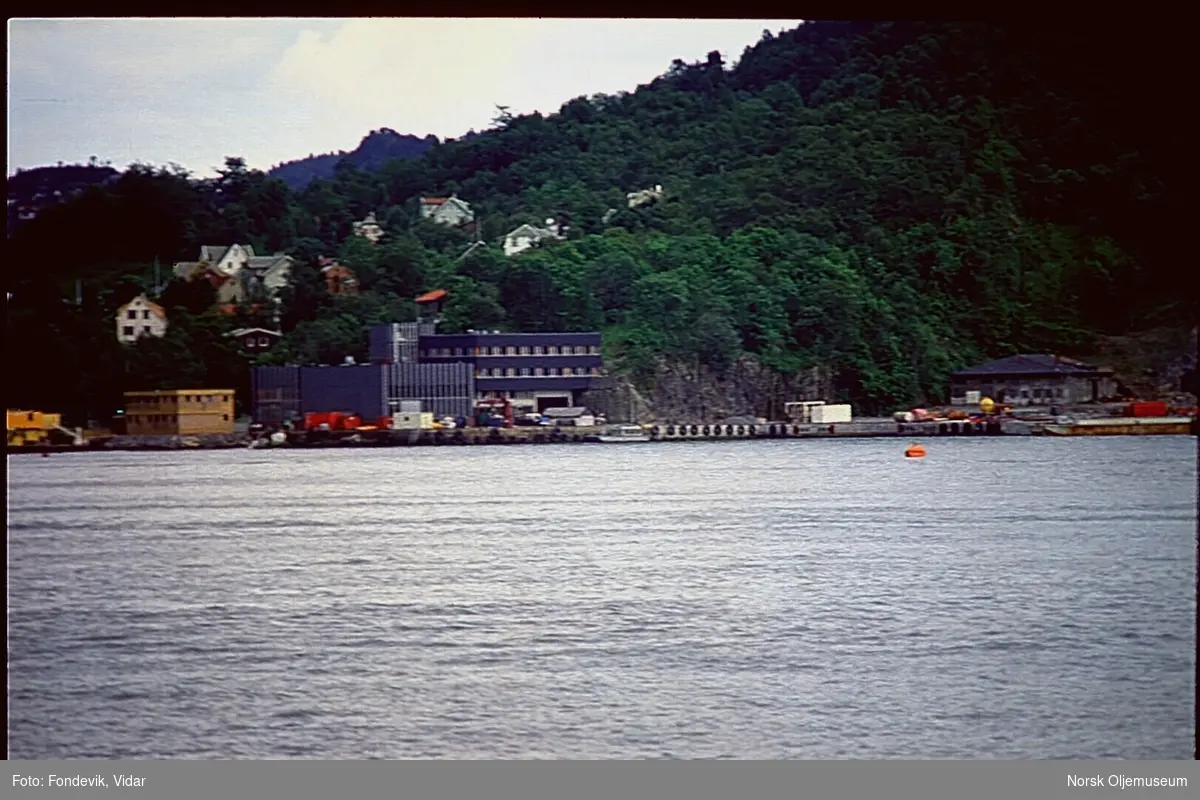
{"x": 35, "y": 427}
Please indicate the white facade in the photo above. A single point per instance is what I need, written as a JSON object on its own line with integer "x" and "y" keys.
{"x": 139, "y": 317}
{"x": 447, "y": 210}
{"x": 241, "y": 267}
{"x": 369, "y": 229}
{"x": 645, "y": 196}
{"x": 527, "y": 236}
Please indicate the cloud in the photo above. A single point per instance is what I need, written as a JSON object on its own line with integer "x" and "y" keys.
{"x": 445, "y": 76}
{"x": 193, "y": 91}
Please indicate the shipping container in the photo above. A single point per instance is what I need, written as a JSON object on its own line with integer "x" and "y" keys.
{"x": 314, "y": 420}
{"x": 410, "y": 406}
{"x": 422, "y": 420}
{"x": 828, "y": 414}
{"x": 1155, "y": 408}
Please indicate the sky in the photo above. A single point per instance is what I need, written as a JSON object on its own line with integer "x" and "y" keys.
{"x": 194, "y": 91}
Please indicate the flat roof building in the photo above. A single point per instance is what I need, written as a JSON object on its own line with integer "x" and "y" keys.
{"x": 179, "y": 412}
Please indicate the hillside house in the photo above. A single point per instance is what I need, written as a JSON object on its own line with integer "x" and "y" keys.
{"x": 447, "y": 211}
{"x": 369, "y": 229}
{"x": 256, "y": 340}
{"x": 237, "y": 274}
{"x": 527, "y": 236}
{"x": 1032, "y": 380}
{"x": 644, "y": 197}
{"x": 339, "y": 279}
{"x": 140, "y": 317}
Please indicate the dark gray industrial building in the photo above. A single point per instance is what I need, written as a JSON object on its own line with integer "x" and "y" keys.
{"x": 447, "y": 373}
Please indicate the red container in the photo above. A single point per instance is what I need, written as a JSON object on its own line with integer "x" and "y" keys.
{"x": 1155, "y": 408}
{"x": 383, "y": 423}
{"x": 313, "y": 420}
{"x": 350, "y": 422}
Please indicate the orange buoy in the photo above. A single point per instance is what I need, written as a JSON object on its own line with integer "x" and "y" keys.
{"x": 915, "y": 451}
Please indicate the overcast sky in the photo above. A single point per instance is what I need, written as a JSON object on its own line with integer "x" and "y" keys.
{"x": 193, "y": 91}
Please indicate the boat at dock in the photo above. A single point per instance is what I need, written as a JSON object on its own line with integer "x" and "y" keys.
{"x": 1119, "y": 426}
{"x": 624, "y": 433}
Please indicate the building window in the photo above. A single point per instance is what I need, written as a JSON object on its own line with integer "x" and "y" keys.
{"x": 552, "y": 371}
{"x": 225, "y": 399}
{"x": 539, "y": 371}
{"x": 146, "y": 314}
{"x": 524, "y": 350}
{"x": 510, "y": 372}
{"x": 594, "y": 350}
{"x": 510, "y": 351}
{"x": 566, "y": 371}
{"x": 263, "y": 341}
{"x": 1037, "y": 393}
{"x": 145, "y": 329}
{"x": 1025, "y": 393}
{"x": 595, "y": 370}
{"x": 130, "y": 315}
{"x": 1058, "y": 392}
{"x": 128, "y": 330}
{"x": 497, "y": 351}
{"x": 524, "y": 372}
{"x": 551, "y": 350}
{"x": 225, "y": 417}
{"x": 538, "y": 350}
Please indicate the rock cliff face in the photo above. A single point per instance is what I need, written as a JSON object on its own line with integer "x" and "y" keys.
{"x": 684, "y": 394}
{"x": 1160, "y": 363}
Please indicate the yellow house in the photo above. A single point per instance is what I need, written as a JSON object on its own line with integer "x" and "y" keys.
{"x": 182, "y": 412}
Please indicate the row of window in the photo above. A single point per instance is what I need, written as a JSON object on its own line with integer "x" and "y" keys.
{"x": 132, "y": 314}
{"x": 164, "y": 418}
{"x": 128, "y": 330}
{"x": 1037, "y": 393}
{"x": 170, "y": 399}
{"x": 524, "y": 350}
{"x": 525, "y": 372}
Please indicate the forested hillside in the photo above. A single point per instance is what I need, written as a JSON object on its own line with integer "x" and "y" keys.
{"x": 880, "y": 202}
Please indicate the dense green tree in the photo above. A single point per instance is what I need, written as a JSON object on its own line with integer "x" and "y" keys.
{"x": 885, "y": 201}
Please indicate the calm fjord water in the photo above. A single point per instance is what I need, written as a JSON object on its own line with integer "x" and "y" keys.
{"x": 1003, "y": 598}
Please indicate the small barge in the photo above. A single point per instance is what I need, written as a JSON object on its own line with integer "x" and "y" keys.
{"x": 1119, "y": 426}
{"x": 620, "y": 434}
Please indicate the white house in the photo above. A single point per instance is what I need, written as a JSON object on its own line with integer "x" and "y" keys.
{"x": 527, "y": 236}
{"x": 447, "y": 210}
{"x": 644, "y": 196}
{"x": 140, "y": 317}
{"x": 369, "y": 229}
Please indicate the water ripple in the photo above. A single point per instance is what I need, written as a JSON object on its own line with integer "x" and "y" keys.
{"x": 1012, "y": 598}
